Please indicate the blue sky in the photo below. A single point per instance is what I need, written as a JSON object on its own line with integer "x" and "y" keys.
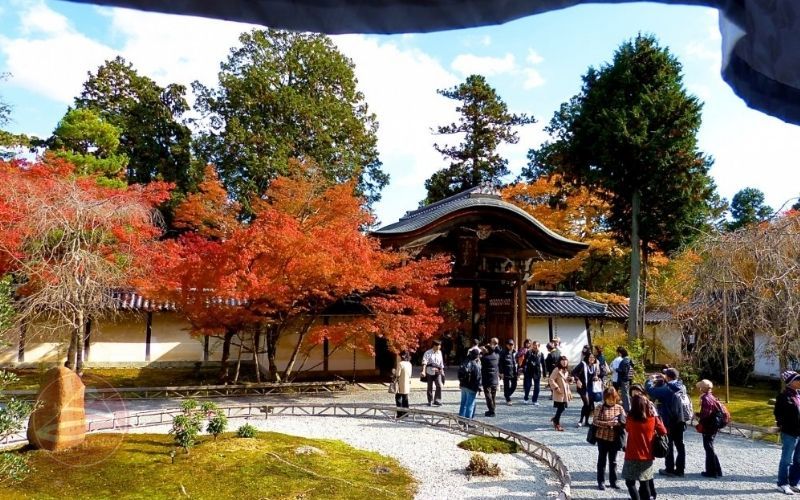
{"x": 534, "y": 63}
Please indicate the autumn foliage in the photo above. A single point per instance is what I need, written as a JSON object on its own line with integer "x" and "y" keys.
{"x": 304, "y": 251}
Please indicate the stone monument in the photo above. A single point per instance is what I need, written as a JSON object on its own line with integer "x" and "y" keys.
{"x": 59, "y": 421}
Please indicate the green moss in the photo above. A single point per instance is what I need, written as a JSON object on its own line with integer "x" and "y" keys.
{"x": 130, "y": 377}
{"x": 486, "y": 444}
{"x": 131, "y": 466}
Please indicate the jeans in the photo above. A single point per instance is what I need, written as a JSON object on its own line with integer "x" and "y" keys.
{"x": 789, "y": 466}
{"x": 536, "y": 387}
{"x": 491, "y": 393}
{"x": 509, "y": 386}
{"x": 437, "y": 381}
{"x": 624, "y": 389}
{"x": 467, "y": 409}
{"x": 401, "y": 400}
{"x": 675, "y": 442}
{"x": 606, "y": 451}
{"x": 712, "y": 462}
{"x": 527, "y": 380}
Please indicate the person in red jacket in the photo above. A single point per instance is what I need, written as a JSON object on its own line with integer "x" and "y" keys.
{"x": 641, "y": 426}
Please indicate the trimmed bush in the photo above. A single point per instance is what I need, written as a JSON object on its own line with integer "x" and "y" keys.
{"x": 479, "y": 466}
{"x": 488, "y": 444}
{"x": 246, "y": 431}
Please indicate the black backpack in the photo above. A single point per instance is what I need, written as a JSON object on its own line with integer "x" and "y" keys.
{"x": 465, "y": 373}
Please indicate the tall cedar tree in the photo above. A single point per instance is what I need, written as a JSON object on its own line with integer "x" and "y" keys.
{"x": 69, "y": 241}
{"x": 284, "y": 95}
{"x": 485, "y": 123}
{"x": 632, "y": 133}
{"x": 156, "y": 142}
{"x": 303, "y": 251}
{"x": 748, "y": 207}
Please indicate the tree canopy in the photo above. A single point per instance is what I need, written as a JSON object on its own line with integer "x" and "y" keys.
{"x": 149, "y": 118}
{"x": 485, "y": 123}
{"x": 284, "y": 95}
{"x": 631, "y": 133}
{"x": 748, "y": 207}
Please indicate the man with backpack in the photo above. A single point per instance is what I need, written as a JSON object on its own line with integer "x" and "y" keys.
{"x": 625, "y": 373}
{"x": 469, "y": 381}
{"x": 533, "y": 366}
{"x": 671, "y": 396}
{"x": 787, "y": 416}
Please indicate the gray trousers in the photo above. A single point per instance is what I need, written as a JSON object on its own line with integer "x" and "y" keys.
{"x": 437, "y": 381}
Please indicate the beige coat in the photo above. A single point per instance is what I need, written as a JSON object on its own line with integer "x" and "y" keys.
{"x": 559, "y": 383}
{"x": 403, "y": 377}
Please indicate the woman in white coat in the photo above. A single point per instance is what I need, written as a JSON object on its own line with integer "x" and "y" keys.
{"x": 403, "y": 379}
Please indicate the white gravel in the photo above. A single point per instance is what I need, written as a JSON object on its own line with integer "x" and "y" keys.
{"x": 750, "y": 467}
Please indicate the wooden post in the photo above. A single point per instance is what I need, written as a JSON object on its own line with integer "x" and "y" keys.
{"x": 148, "y": 336}
{"x": 588, "y": 332}
{"x": 87, "y": 339}
{"x": 21, "y": 346}
{"x": 522, "y": 313}
{"x": 550, "y": 328}
{"x": 725, "y": 342}
{"x": 205, "y": 348}
{"x": 476, "y": 310}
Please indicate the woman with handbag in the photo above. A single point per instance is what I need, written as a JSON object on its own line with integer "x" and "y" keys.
{"x": 609, "y": 422}
{"x": 559, "y": 383}
{"x": 402, "y": 381}
{"x": 585, "y": 374}
{"x": 642, "y": 426}
{"x": 706, "y": 427}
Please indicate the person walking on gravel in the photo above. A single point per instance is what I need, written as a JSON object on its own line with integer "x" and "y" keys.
{"x": 469, "y": 381}
{"x": 609, "y": 421}
{"x": 403, "y": 382}
{"x": 490, "y": 378}
{"x": 641, "y": 425}
{"x": 585, "y": 374}
{"x": 432, "y": 368}
{"x": 708, "y": 428}
{"x": 665, "y": 389}
{"x": 787, "y": 416}
{"x": 509, "y": 370}
{"x": 559, "y": 383}
{"x": 533, "y": 368}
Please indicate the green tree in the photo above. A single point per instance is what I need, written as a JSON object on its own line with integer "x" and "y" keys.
{"x": 748, "y": 207}
{"x": 148, "y": 116}
{"x": 90, "y": 143}
{"x": 8, "y": 141}
{"x": 284, "y": 95}
{"x": 632, "y": 133}
{"x": 485, "y": 123}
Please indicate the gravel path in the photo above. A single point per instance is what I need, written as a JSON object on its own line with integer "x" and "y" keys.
{"x": 750, "y": 467}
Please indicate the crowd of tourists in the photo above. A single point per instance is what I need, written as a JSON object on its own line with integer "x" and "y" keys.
{"x": 646, "y": 422}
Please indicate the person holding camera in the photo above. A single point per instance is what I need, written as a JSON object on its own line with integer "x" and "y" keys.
{"x": 432, "y": 367}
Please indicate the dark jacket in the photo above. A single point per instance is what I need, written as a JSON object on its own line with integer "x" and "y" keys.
{"x": 490, "y": 371}
{"x": 586, "y": 374}
{"x": 787, "y": 414}
{"x": 508, "y": 363}
{"x": 552, "y": 360}
{"x": 669, "y": 406}
{"x": 474, "y": 383}
{"x": 534, "y": 364}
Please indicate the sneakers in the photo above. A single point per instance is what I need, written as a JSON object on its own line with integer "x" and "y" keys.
{"x": 435, "y": 403}
{"x": 535, "y": 403}
{"x": 580, "y": 424}
{"x": 794, "y": 488}
{"x": 786, "y": 489}
{"x": 526, "y": 402}
{"x": 509, "y": 403}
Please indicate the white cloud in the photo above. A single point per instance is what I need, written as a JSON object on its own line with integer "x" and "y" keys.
{"x": 534, "y": 57}
{"x": 51, "y": 58}
{"x": 468, "y": 64}
{"x": 533, "y": 79}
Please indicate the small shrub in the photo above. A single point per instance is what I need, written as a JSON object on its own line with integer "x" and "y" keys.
{"x": 479, "y": 466}
{"x": 217, "y": 424}
{"x": 246, "y": 431}
{"x": 13, "y": 467}
{"x": 185, "y": 429}
{"x": 487, "y": 444}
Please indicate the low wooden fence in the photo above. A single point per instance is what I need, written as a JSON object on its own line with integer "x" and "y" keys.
{"x": 436, "y": 419}
{"x": 197, "y": 391}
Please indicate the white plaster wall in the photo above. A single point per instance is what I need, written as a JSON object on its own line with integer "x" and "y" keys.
{"x": 118, "y": 340}
{"x": 571, "y": 332}
{"x": 538, "y": 329}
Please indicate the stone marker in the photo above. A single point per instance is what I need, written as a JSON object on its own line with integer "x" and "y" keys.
{"x": 60, "y": 420}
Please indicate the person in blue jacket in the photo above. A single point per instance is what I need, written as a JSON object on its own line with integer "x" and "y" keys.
{"x": 664, "y": 389}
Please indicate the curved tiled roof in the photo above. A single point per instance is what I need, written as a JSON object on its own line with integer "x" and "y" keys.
{"x": 621, "y": 311}
{"x": 562, "y": 304}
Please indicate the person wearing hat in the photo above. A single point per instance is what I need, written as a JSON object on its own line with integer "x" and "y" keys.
{"x": 787, "y": 416}
{"x": 706, "y": 427}
{"x": 664, "y": 388}
{"x": 432, "y": 367}
{"x": 509, "y": 370}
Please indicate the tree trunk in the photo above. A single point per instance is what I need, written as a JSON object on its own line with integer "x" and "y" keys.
{"x": 633, "y": 309}
{"x": 80, "y": 333}
{"x": 272, "y": 342}
{"x": 226, "y": 354}
{"x": 238, "y": 361}
{"x": 301, "y": 336}
{"x": 256, "y": 343}
{"x": 70, "y": 363}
